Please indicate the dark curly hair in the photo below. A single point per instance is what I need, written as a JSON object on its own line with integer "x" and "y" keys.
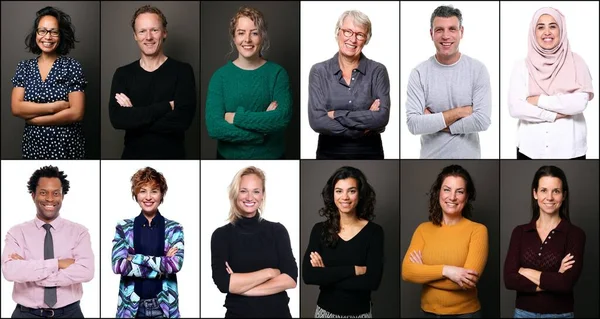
{"x": 435, "y": 210}
{"x": 51, "y": 172}
{"x": 65, "y": 28}
{"x": 551, "y": 171}
{"x": 364, "y": 210}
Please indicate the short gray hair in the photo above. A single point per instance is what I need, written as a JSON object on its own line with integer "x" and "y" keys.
{"x": 446, "y": 12}
{"x": 359, "y": 18}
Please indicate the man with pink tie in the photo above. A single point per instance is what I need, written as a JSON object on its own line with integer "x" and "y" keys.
{"x": 48, "y": 257}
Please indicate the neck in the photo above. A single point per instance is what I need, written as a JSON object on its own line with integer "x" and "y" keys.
{"x": 48, "y": 57}
{"x": 151, "y": 63}
{"x": 44, "y": 219}
{"x": 447, "y": 60}
{"x": 249, "y": 63}
{"x": 348, "y": 62}
{"x": 150, "y": 215}
{"x": 548, "y": 220}
{"x": 347, "y": 219}
{"x": 451, "y": 220}
{"x": 249, "y": 215}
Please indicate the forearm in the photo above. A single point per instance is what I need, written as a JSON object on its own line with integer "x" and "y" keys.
{"x": 162, "y": 264}
{"x": 22, "y": 271}
{"x": 80, "y": 271}
{"x": 568, "y": 104}
{"x": 324, "y": 276}
{"x": 363, "y": 120}
{"x": 419, "y": 123}
{"x": 265, "y": 122}
{"x": 64, "y": 117}
{"x": 531, "y": 274}
{"x": 239, "y": 283}
{"x": 273, "y": 286}
{"x": 124, "y": 267}
{"x": 444, "y": 284}
{"x": 28, "y": 110}
{"x": 323, "y": 124}
{"x": 420, "y": 273}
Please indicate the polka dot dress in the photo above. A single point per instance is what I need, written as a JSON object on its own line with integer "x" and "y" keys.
{"x": 51, "y": 141}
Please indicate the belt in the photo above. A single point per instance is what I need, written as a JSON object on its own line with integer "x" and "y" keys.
{"x": 49, "y": 312}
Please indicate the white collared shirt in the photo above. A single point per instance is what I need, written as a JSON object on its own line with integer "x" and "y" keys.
{"x": 539, "y": 133}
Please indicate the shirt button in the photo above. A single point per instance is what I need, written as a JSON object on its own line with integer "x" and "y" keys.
{"x": 349, "y": 101}
{"x": 540, "y": 248}
{"x": 553, "y": 232}
{"x": 549, "y": 237}
{"x": 352, "y": 79}
{"x": 539, "y": 254}
{"x": 545, "y": 242}
{"x": 348, "y": 89}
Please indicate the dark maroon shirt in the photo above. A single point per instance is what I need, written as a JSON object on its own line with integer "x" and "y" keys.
{"x": 527, "y": 250}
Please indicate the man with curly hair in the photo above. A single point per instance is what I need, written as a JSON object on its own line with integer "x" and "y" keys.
{"x": 48, "y": 257}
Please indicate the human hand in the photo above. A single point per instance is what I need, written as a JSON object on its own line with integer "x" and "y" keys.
{"x": 360, "y": 270}
{"x": 427, "y": 111}
{"x": 466, "y": 110}
{"x": 64, "y": 263}
{"x": 272, "y": 106}
{"x": 330, "y": 114}
{"x": 566, "y": 263}
{"x": 15, "y": 256}
{"x": 229, "y": 117}
{"x": 561, "y": 116}
{"x": 61, "y": 105}
{"x": 172, "y": 103}
{"x": 533, "y": 99}
{"x": 465, "y": 278}
{"x": 316, "y": 260}
{"x": 375, "y": 106}
{"x": 228, "y": 268}
{"x": 123, "y": 100}
{"x": 416, "y": 257}
{"x": 172, "y": 251}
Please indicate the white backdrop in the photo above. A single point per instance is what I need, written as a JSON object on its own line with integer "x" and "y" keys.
{"x": 181, "y": 204}
{"x": 582, "y": 30}
{"x": 480, "y": 41}
{"x": 318, "y": 43}
{"x": 282, "y": 205}
{"x": 80, "y": 205}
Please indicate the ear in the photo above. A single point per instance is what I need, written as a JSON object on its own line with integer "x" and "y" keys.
{"x": 431, "y": 33}
{"x": 534, "y": 194}
{"x": 33, "y": 196}
{"x": 462, "y": 31}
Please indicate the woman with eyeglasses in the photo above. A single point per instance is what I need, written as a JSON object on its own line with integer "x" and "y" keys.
{"x": 48, "y": 90}
{"x": 349, "y": 95}
{"x": 249, "y": 101}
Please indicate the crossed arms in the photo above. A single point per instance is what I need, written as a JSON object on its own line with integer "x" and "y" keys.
{"x": 138, "y": 265}
{"x": 353, "y": 124}
{"x": 55, "y": 113}
{"x": 263, "y": 282}
{"x": 524, "y": 279}
{"x": 446, "y": 277}
{"x": 50, "y": 272}
{"x": 456, "y": 120}
{"x": 541, "y": 108}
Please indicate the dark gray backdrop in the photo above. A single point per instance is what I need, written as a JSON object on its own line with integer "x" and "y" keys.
{"x": 17, "y": 20}
{"x": 283, "y": 19}
{"x": 582, "y": 177}
{"x": 384, "y": 177}
{"x": 119, "y": 48}
{"x": 417, "y": 177}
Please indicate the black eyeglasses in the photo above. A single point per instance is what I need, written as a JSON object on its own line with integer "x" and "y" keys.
{"x": 42, "y": 32}
{"x": 349, "y": 33}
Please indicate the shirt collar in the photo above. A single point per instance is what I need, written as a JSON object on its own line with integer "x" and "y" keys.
{"x": 56, "y": 223}
{"x": 141, "y": 219}
{"x": 562, "y": 226}
{"x": 334, "y": 64}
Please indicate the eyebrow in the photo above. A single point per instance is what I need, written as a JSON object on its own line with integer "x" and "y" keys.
{"x": 551, "y": 23}
{"x": 240, "y": 29}
{"x": 353, "y": 187}
{"x": 460, "y": 188}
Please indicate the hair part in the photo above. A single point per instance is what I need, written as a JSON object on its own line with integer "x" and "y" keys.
{"x": 148, "y": 176}
{"x": 446, "y": 12}
{"x": 234, "y": 190}
{"x": 259, "y": 21}
{"x": 66, "y": 30}
{"x": 358, "y": 18}
{"x": 49, "y": 172}
{"x": 365, "y": 209}
{"x": 551, "y": 171}
{"x": 435, "y": 209}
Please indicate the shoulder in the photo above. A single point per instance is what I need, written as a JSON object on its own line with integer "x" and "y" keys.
{"x": 171, "y": 224}
{"x": 579, "y": 60}
{"x": 426, "y": 227}
{"x": 222, "y": 231}
{"x": 179, "y": 65}
{"x": 521, "y": 228}
{"x": 318, "y": 228}
{"x": 79, "y": 228}
{"x": 476, "y": 227}
{"x": 125, "y": 223}
{"x": 21, "y": 227}
{"x": 321, "y": 67}
{"x": 69, "y": 61}
{"x": 274, "y": 68}
{"x": 473, "y": 64}
{"x": 576, "y": 232}
{"x": 27, "y": 64}
{"x": 374, "y": 227}
{"x": 128, "y": 68}
{"x": 223, "y": 71}
{"x": 376, "y": 67}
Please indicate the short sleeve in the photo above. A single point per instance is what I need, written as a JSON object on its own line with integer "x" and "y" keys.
{"x": 19, "y": 79}
{"x": 77, "y": 81}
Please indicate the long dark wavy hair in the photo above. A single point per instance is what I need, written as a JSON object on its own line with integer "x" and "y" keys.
{"x": 435, "y": 210}
{"x": 551, "y": 171}
{"x": 365, "y": 209}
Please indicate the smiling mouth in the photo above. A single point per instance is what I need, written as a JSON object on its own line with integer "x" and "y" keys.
{"x": 451, "y": 205}
{"x": 350, "y": 46}
{"x": 547, "y": 39}
{"x": 49, "y": 206}
{"x": 249, "y": 204}
{"x": 148, "y": 204}
{"x": 446, "y": 44}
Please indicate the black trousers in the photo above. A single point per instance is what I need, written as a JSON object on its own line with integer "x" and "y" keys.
{"x": 69, "y": 311}
{"x": 521, "y": 156}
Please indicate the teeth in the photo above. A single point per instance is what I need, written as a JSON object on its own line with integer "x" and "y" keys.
{"x": 350, "y": 46}
{"x": 249, "y": 204}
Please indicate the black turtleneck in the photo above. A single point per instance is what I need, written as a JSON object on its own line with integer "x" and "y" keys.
{"x": 248, "y": 245}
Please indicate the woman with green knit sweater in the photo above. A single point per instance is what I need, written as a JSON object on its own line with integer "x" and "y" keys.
{"x": 249, "y": 102}
{"x": 448, "y": 254}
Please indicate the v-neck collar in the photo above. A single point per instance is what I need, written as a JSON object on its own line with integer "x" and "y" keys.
{"x": 37, "y": 64}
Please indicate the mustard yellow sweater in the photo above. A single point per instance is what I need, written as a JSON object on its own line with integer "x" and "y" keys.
{"x": 464, "y": 244}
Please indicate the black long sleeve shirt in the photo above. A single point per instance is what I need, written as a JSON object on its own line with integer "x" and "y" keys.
{"x": 152, "y": 129}
{"x": 250, "y": 245}
{"x": 342, "y": 292}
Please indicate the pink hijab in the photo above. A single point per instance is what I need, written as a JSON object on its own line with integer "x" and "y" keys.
{"x": 556, "y": 70}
